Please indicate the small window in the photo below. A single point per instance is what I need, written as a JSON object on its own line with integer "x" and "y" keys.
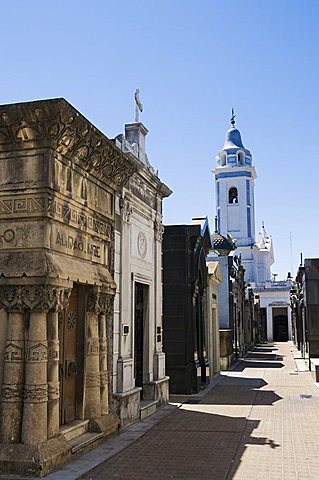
{"x": 222, "y": 157}
{"x": 233, "y": 195}
{"x": 241, "y": 158}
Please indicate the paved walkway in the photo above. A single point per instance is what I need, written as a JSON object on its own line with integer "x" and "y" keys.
{"x": 260, "y": 421}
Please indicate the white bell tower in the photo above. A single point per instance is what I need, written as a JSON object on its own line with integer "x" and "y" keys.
{"x": 235, "y": 183}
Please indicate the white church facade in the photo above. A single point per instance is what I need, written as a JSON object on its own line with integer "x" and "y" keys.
{"x": 235, "y": 177}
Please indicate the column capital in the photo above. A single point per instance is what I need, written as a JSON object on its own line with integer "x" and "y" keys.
{"x": 126, "y": 210}
{"x": 33, "y": 297}
{"x": 158, "y": 229}
{"x": 100, "y": 303}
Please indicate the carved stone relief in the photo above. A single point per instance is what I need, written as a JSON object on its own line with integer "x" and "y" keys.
{"x": 43, "y": 298}
{"x": 57, "y": 122}
{"x": 100, "y": 303}
{"x": 141, "y": 244}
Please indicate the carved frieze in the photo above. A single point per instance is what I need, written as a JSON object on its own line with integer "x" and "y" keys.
{"x": 57, "y": 123}
{"x": 42, "y": 298}
{"x": 72, "y": 216}
{"x": 26, "y": 205}
{"x": 139, "y": 188}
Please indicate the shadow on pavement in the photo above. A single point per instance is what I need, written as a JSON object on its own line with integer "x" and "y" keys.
{"x": 188, "y": 445}
{"x": 234, "y": 390}
{"x": 256, "y": 364}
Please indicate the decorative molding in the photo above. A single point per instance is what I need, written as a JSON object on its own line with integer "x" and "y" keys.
{"x": 71, "y": 320}
{"x": 126, "y": 210}
{"x": 42, "y": 298}
{"x": 104, "y": 376}
{"x": 35, "y": 393}
{"x": 12, "y": 393}
{"x": 93, "y": 347}
{"x": 36, "y": 351}
{"x": 53, "y": 350}
{"x": 14, "y": 351}
{"x": 53, "y": 390}
{"x": 56, "y": 123}
{"x": 100, "y": 303}
{"x": 141, "y": 244}
{"x": 103, "y": 345}
{"x": 144, "y": 193}
{"x": 158, "y": 230}
{"x": 93, "y": 380}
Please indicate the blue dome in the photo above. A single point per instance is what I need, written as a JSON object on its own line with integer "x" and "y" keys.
{"x": 233, "y": 139}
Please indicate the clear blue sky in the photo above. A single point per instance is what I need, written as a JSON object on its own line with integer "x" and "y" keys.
{"x": 193, "y": 61}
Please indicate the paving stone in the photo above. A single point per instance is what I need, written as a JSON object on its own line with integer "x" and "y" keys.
{"x": 261, "y": 420}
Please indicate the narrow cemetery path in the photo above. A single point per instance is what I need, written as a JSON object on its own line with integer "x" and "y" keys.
{"x": 261, "y": 421}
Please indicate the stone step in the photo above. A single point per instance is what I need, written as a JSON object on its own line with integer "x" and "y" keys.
{"x": 84, "y": 440}
{"x": 75, "y": 429}
{"x": 147, "y": 407}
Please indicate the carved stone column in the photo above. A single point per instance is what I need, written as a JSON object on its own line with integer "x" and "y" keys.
{"x": 53, "y": 374}
{"x": 103, "y": 365}
{"x": 106, "y": 307}
{"x": 62, "y": 297}
{"x": 34, "y": 423}
{"x": 92, "y": 374}
{"x": 13, "y": 380}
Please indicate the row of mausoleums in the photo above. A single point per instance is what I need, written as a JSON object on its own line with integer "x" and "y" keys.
{"x": 82, "y": 330}
{"x": 305, "y": 314}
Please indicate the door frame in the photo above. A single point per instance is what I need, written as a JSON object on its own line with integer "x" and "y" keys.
{"x": 148, "y": 329}
{"x": 80, "y": 357}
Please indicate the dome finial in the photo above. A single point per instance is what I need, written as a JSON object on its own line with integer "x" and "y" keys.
{"x": 232, "y": 120}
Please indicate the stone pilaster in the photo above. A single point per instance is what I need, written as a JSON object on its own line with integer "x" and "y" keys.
{"x": 13, "y": 380}
{"x": 103, "y": 365}
{"x": 62, "y": 298}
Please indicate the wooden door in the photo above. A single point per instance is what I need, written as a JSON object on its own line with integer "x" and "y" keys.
{"x": 68, "y": 329}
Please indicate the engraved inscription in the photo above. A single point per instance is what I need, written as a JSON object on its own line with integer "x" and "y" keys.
{"x": 68, "y": 241}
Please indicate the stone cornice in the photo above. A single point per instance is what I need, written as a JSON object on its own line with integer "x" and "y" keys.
{"x": 57, "y": 124}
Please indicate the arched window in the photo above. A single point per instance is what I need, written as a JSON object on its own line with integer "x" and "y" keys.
{"x": 233, "y": 195}
{"x": 241, "y": 158}
{"x": 222, "y": 157}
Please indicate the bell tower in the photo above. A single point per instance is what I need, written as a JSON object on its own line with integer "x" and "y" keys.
{"x": 235, "y": 183}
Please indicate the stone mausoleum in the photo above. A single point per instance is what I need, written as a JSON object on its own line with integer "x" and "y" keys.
{"x": 59, "y": 175}
{"x": 140, "y": 384}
